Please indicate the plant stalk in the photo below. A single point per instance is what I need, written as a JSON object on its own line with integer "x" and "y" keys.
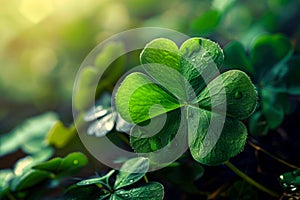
{"x": 250, "y": 180}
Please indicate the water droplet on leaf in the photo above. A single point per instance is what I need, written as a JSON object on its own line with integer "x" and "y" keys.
{"x": 238, "y": 95}
{"x": 75, "y": 162}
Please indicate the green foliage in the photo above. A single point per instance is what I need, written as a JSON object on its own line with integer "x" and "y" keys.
{"x": 173, "y": 80}
{"x": 183, "y": 174}
{"x": 131, "y": 171}
{"x": 123, "y": 188}
{"x": 39, "y": 60}
{"x": 68, "y": 165}
{"x": 59, "y": 135}
{"x": 206, "y": 23}
{"x": 89, "y": 75}
{"x": 290, "y": 181}
{"x": 274, "y": 70}
{"x": 241, "y": 190}
{"x": 31, "y": 171}
{"x": 29, "y": 136}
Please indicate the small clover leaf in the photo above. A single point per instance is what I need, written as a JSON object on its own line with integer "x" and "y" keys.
{"x": 98, "y": 180}
{"x": 61, "y": 166}
{"x": 290, "y": 181}
{"x": 59, "y": 135}
{"x": 131, "y": 171}
{"x": 29, "y": 136}
{"x": 124, "y": 187}
{"x": 149, "y": 191}
{"x": 206, "y": 23}
{"x": 275, "y": 73}
{"x": 183, "y": 82}
{"x": 6, "y": 175}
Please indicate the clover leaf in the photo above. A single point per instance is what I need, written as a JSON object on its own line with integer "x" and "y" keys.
{"x": 28, "y": 136}
{"x": 103, "y": 118}
{"x": 30, "y": 171}
{"x": 61, "y": 166}
{"x": 290, "y": 181}
{"x": 124, "y": 186}
{"x": 275, "y": 73}
{"x": 181, "y": 87}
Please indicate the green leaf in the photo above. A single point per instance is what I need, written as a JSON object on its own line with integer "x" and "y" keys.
{"x": 200, "y": 60}
{"x": 242, "y": 190}
{"x": 131, "y": 171}
{"x": 142, "y": 139}
{"x": 91, "y": 181}
{"x": 109, "y": 56}
{"x": 98, "y": 180}
{"x": 217, "y": 148}
{"x": 195, "y": 57}
{"x": 88, "y": 78}
{"x": 6, "y": 175}
{"x": 158, "y": 142}
{"x": 290, "y": 81}
{"x": 137, "y": 88}
{"x": 161, "y": 51}
{"x": 29, "y": 179}
{"x": 267, "y": 51}
{"x": 68, "y": 165}
{"x": 183, "y": 175}
{"x": 236, "y": 58}
{"x": 258, "y": 124}
{"x": 240, "y": 94}
{"x": 73, "y": 162}
{"x": 290, "y": 180}
{"x": 149, "y": 191}
{"x": 84, "y": 192}
{"x": 200, "y": 52}
{"x": 104, "y": 57}
{"x": 25, "y": 164}
{"x": 59, "y": 135}
{"x": 206, "y": 23}
{"x": 273, "y": 107}
{"x": 32, "y": 130}
{"x": 51, "y": 165}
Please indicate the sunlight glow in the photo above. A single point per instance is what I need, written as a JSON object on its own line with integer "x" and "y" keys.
{"x": 36, "y": 10}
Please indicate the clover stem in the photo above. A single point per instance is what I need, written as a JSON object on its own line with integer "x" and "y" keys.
{"x": 217, "y": 192}
{"x": 258, "y": 148}
{"x": 10, "y": 196}
{"x": 124, "y": 139}
{"x": 146, "y": 179}
{"x": 250, "y": 180}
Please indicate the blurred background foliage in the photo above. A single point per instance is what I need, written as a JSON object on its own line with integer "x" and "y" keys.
{"x": 43, "y": 44}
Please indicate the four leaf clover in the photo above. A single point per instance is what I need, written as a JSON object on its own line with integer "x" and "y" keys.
{"x": 181, "y": 88}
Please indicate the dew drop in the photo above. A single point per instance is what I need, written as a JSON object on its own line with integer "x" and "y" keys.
{"x": 75, "y": 162}
{"x": 131, "y": 181}
{"x": 126, "y": 195}
{"x": 238, "y": 95}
